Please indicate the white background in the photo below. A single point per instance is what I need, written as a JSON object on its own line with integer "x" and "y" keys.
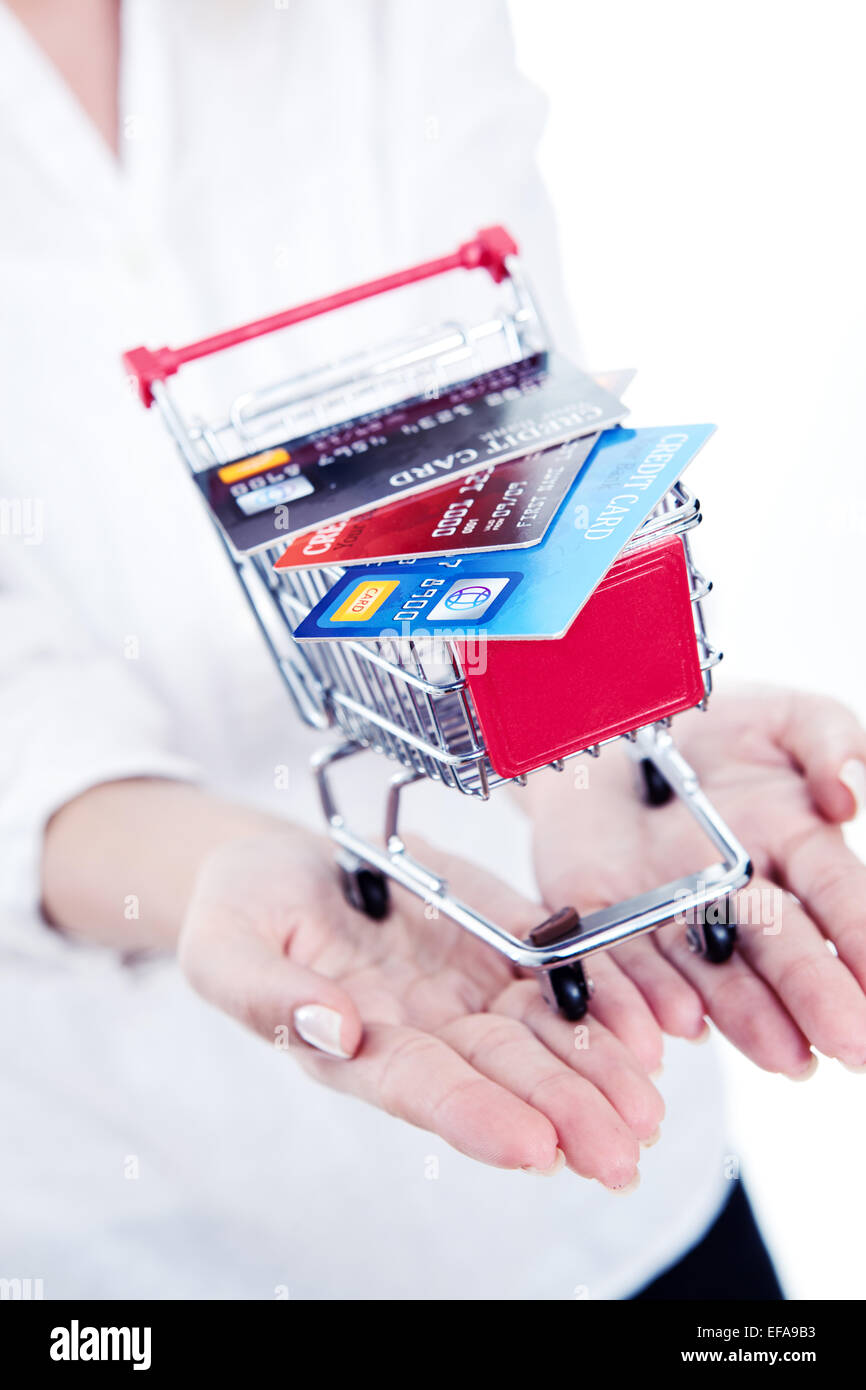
{"x": 706, "y": 163}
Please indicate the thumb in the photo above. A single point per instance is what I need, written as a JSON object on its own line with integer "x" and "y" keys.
{"x": 829, "y": 744}
{"x": 249, "y": 978}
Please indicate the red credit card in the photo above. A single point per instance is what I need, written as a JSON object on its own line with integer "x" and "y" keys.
{"x": 493, "y": 508}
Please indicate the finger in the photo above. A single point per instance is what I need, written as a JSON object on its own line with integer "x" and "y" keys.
{"x": 620, "y": 1006}
{"x": 676, "y": 1005}
{"x": 829, "y": 744}
{"x": 419, "y": 1078}
{"x": 741, "y": 1005}
{"x": 618, "y": 1003}
{"x": 274, "y": 996}
{"x": 591, "y": 1050}
{"x": 785, "y": 947}
{"x": 595, "y": 1140}
{"x": 830, "y": 882}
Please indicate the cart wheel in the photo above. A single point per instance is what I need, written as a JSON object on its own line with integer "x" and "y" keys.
{"x": 657, "y": 789}
{"x": 571, "y": 990}
{"x": 367, "y": 890}
{"x": 715, "y": 941}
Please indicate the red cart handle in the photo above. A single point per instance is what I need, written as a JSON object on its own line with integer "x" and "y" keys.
{"x": 489, "y": 251}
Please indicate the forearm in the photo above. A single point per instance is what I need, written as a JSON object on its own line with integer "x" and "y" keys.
{"x": 119, "y": 862}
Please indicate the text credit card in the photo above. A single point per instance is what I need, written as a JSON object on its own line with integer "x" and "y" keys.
{"x": 527, "y": 593}
{"x": 504, "y": 507}
{"x": 492, "y": 508}
{"x": 335, "y": 473}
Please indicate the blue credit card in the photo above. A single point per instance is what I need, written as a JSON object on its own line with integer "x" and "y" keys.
{"x": 518, "y": 594}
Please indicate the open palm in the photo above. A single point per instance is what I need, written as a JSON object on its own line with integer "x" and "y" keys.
{"x": 433, "y": 1026}
{"x": 771, "y": 763}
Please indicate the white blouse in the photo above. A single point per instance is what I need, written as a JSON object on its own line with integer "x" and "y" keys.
{"x": 270, "y": 153}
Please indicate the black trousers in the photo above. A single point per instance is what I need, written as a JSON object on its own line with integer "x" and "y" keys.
{"x": 731, "y": 1261}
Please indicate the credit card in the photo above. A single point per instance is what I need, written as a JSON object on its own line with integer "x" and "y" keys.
{"x": 534, "y": 593}
{"x": 502, "y": 508}
{"x": 335, "y": 473}
{"x": 499, "y": 507}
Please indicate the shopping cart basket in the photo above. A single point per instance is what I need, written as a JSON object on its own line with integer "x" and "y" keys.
{"x": 426, "y": 707}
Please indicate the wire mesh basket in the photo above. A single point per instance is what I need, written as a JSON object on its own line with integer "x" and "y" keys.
{"x": 417, "y": 701}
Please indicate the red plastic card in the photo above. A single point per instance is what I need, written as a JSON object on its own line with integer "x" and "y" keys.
{"x": 630, "y": 657}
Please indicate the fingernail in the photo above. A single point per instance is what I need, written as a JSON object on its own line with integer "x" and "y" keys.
{"x": 555, "y": 1167}
{"x": 321, "y": 1028}
{"x": 703, "y": 1036}
{"x": 810, "y": 1070}
{"x": 629, "y": 1187}
{"x": 853, "y": 775}
{"x": 858, "y": 1070}
{"x": 654, "y": 1075}
{"x": 653, "y": 1139}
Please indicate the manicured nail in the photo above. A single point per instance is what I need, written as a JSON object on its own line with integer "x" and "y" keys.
{"x": 810, "y": 1070}
{"x": 703, "y": 1036}
{"x": 859, "y": 1070}
{"x": 629, "y": 1187}
{"x": 555, "y": 1167}
{"x": 321, "y": 1028}
{"x": 653, "y": 1139}
{"x": 853, "y": 775}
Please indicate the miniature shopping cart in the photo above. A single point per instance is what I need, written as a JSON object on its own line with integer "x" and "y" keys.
{"x": 428, "y": 710}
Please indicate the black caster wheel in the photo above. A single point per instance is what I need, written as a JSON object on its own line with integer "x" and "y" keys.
{"x": 566, "y": 987}
{"x": 367, "y": 890}
{"x": 656, "y": 788}
{"x": 571, "y": 991}
{"x": 713, "y": 940}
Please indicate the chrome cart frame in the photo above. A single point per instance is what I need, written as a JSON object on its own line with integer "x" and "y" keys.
{"x": 394, "y": 697}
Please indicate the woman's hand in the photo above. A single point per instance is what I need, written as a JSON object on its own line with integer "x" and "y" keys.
{"x": 785, "y": 770}
{"x": 412, "y": 1014}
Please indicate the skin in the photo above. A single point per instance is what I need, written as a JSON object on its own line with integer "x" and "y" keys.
{"x": 81, "y": 38}
{"x": 770, "y": 762}
{"x": 440, "y": 1032}
{"x": 450, "y": 1040}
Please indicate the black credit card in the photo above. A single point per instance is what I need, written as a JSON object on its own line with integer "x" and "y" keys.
{"x": 507, "y": 413}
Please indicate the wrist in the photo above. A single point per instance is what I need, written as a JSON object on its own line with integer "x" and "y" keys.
{"x": 120, "y": 861}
